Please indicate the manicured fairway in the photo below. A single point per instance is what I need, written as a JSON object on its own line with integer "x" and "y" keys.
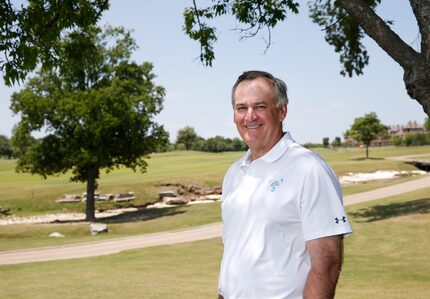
{"x": 25, "y": 194}
{"x": 386, "y": 257}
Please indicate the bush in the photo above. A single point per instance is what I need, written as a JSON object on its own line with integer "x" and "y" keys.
{"x": 412, "y": 140}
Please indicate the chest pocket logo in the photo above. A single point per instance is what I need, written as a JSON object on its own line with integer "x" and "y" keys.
{"x": 275, "y": 183}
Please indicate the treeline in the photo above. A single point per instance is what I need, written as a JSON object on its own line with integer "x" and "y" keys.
{"x": 412, "y": 140}
{"x": 417, "y": 139}
{"x": 187, "y": 139}
{"x": 6, "y": 148}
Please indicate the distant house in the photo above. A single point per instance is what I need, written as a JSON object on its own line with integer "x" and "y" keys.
{"x": 412, "y": 127}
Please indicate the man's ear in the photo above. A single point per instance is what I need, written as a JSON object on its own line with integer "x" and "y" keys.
{"x": 283, "y": 112}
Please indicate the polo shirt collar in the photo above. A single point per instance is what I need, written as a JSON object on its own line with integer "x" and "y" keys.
{"x": 273, "y": 154}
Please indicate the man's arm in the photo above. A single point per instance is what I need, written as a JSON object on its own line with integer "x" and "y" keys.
{"x": 326, "y": 263}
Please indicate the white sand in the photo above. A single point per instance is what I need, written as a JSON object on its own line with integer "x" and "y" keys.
{"x": 361, "y": 177}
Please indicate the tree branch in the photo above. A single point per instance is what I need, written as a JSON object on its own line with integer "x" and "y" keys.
{"x": 421, "y": 11}
{"x": 379, "y": 31}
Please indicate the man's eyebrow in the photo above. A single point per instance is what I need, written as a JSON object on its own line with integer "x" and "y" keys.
{"x": 240, "y": 104}
{"x": 253, "y": 104}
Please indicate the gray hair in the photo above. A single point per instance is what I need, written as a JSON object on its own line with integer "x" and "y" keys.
{"x": 279, "y": 86}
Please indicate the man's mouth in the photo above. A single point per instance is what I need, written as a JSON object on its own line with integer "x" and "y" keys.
{"x": 252, "y": 126}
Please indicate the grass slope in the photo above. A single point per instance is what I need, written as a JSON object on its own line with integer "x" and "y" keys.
{"x": 386, "y": 257}
{"x": 25, "y": 194}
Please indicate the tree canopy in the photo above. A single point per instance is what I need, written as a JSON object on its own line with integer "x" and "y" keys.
{"x": 29, "y": 33}
{"x": 187, "y": 139}
{"x": 186, "y": 136}
{"x": 345, "y": 22}
{"x": 96, "y": 108}
{"x": 367, "y": 128}
{"x": 6, "y": 149}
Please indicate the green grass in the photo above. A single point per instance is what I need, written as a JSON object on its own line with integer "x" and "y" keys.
{"x": 155, "y": 220}
{"x": 167, "y": 272}
{"x": 25, "y": 194}
{"x": 29, "y": 195}
{"x": 386, "y": 257}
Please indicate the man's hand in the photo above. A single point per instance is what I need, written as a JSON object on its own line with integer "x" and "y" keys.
{"x": 220, "y": 297}
{"x": 326, "y": 263}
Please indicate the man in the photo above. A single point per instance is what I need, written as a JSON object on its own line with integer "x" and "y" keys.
{"x": 282, "y": 205}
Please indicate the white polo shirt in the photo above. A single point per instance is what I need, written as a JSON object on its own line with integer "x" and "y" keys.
{"x": 271, "y": 207}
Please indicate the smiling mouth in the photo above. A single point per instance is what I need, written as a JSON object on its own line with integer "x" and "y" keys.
{"x": 253, "y": 126}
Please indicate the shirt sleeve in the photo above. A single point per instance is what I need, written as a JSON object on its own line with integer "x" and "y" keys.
{"x": 321, "y": 207}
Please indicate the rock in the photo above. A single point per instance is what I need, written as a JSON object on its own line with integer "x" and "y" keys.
{"x": 167, "y": 193}
{"x": 124, "y": 196}
{"x": 207, "y": 191}
{"x": 217, "y": 190}
{"x": 96, "y": 228}
{"x": 106, "y": 197}
{"x": 210, "y": 197}
{"x": 174, "y": 200}
{"x": 181, "y": 190}
{"x": 56, "y": 235}
{"x": 4, "y": 210}
{"x": 69, "y": 198}
{"x": 195, "y": 188}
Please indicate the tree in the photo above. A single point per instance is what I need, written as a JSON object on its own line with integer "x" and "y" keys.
{"x": 326, "y": 141}
{"x": 216, "y": 144}
{"x": 30, "y": 34}
{"x": 5, "y": 147}
{"x": 187, "y": 136}
{"x": 199, "y": 144}
{"x": 427, "y": 124}
{"x": 238, "y": 144}
{"x": 344, "y": 21}
{"x": 336, "y": 142}
{"x": 96, "y": 107}
{"x": 367, "y": 128}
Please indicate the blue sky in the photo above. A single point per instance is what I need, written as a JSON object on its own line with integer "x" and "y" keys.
{"x": 322, "y": 102}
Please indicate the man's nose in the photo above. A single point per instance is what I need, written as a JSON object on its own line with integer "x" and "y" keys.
{"x": 250, "y": 114}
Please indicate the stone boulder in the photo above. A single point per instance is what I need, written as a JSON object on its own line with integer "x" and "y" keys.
{"x": 124, "y": 196}
{"x": 166, "y": 193}
{"x": 4, "y": 211}
{"x": 69, "y": 198}
{"x": 97, "y": 228}
{"x": 56, "y": 235}
{"x": 174, "y": 200}
{"x": 105, "y": 197}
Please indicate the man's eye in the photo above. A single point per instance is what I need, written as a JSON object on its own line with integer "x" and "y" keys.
{"x": 260, "y": 107}
{"x": 240, "y": 108}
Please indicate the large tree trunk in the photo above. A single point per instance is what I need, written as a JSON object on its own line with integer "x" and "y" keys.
{"x": 90, "y": 214}
{"x": 416, "y": 65}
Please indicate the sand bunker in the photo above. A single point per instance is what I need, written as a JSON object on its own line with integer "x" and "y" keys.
{"x": 361, "y": 177}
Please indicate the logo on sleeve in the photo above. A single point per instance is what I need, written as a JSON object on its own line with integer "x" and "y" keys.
{"x": 339, "y": 220}
{"x": 274, "y": 184}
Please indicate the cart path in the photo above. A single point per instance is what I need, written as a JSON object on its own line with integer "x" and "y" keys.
{"x": 105, "y": 247}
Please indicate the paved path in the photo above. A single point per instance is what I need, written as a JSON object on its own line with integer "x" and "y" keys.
{"x": 105, "y": 247}
{"x": 210, "y": 231}
{"x": 388, "y": 191}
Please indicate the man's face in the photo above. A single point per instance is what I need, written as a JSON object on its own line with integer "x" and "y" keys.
{"x": 256, "y": 116}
